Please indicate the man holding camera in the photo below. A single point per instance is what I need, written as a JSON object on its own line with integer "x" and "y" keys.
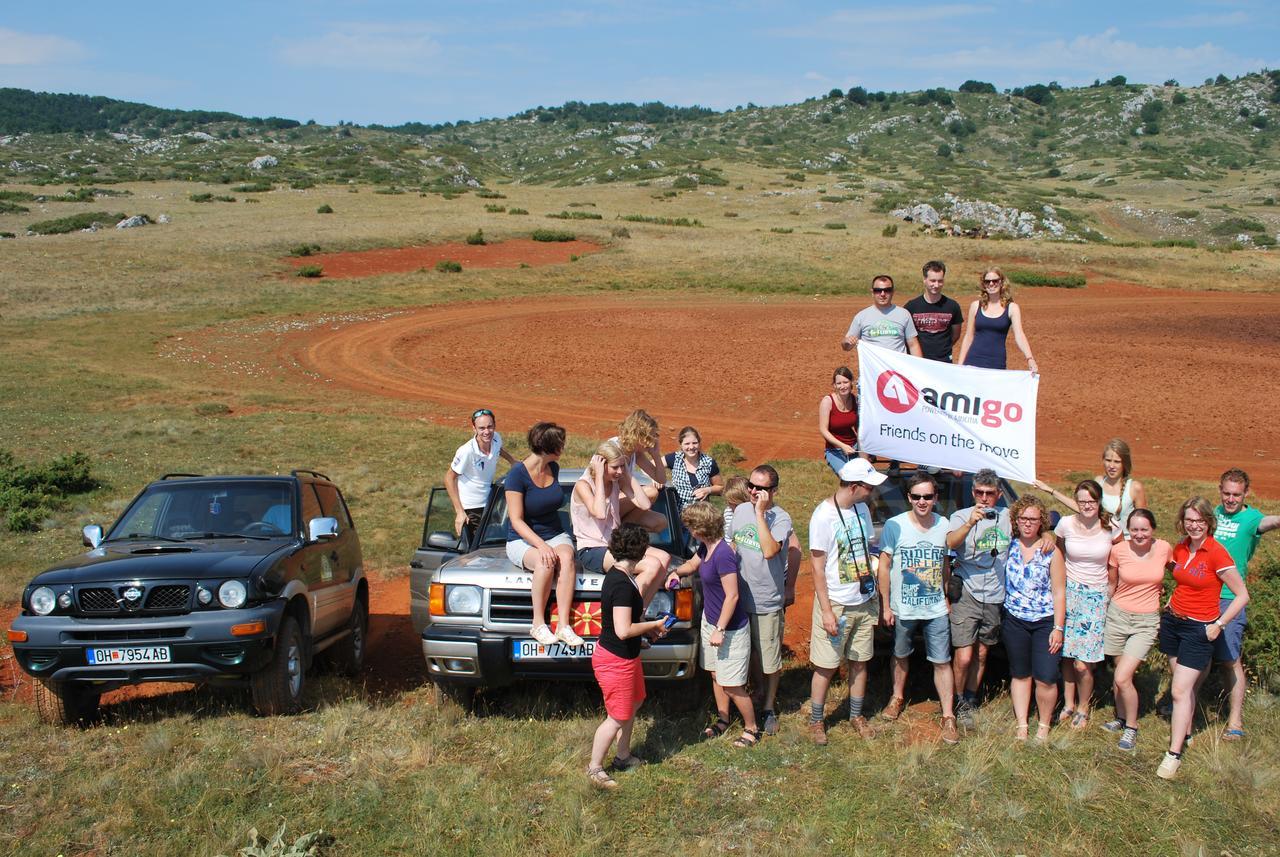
{"x": 980, "y": 536}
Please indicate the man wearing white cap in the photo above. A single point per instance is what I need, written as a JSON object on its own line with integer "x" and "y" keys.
{"x": 845, "y": 602}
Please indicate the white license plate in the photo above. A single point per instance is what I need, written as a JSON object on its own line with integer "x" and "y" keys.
{"x": 127, "y": 655}
{"x": 532, "y": 650}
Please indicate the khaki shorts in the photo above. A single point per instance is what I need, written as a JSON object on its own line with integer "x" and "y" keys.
{"x": 856, "y": 643}
{"x": 1131, "y": 634}
{"x": 729, "y": 660}
{"x": 766, "y": 638}
{"x": 974, "y": 621}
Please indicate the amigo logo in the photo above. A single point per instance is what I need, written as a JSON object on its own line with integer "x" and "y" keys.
{"x": 896, "y": 393}
{"x": 992, "y": 413}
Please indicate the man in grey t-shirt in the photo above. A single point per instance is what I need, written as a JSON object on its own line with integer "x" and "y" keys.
{"x": 882, "y": 323}
{"x": 760, "y": 532}
{"x": 980, "y": 536}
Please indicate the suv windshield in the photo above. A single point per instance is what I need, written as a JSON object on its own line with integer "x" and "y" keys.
{"x": 186, "y": 510}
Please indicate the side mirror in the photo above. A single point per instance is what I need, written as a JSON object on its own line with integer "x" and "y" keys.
{"x": 322, "y": 529}
{"x": 91, "y": 536}
{"x": 443, "y": 541}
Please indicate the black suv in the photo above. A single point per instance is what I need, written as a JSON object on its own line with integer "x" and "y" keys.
{"x": 203, "y": 578}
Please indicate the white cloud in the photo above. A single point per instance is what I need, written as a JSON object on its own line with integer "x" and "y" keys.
{"x": 37, "y": 49}
{"x": 361, "y": 46}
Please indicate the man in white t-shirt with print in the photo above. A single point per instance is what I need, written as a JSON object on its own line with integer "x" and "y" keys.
{"x": 845, "y": 603}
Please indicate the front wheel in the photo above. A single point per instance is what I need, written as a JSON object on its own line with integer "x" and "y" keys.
{"x": 65, "y": 703}
{"x": 277, "y": 687}
{"x": 348, "y": 653}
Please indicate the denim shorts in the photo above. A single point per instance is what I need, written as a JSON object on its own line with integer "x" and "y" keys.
{"x": 937, "y": 638}
{"x": 1186, "y": 640}
{"x": 836, "y": 458}
{"x": 592, "y": 559}
{"x": 1027, "y": 645}
{"x": 517, "y": 548}
{"x": 1227, "y": 647}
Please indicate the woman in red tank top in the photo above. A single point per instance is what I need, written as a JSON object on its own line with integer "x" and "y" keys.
{"x": 838, "y": 420}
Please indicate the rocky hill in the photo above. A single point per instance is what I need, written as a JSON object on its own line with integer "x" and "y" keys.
{"x": 1113, "y": 160}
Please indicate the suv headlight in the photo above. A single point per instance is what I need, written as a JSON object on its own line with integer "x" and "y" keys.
{"x": 464, "y": 600}
{"x": 43, "y": 601}
{"x": 232, "y": 594}
{"x": 662, "y": 603}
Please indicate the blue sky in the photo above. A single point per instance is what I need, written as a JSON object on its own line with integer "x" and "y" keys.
{"x": 392, "y": 61}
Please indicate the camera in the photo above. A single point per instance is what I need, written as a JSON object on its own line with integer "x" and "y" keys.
{"x": 991, "y": 514}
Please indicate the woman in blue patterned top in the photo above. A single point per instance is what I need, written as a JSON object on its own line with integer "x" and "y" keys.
{"x": 1035, "y": 608}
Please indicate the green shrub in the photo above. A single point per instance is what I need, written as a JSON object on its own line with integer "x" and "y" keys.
{"x": 725, "y": 451}
{"x": 890, "y": 231}
{"x": 311, "y": 271}
{"x": 29, "y": 493}
{"x": 782, "y": 230}
{"x": 834, "y": 226}
{"x": 325, "y": 209}
{"x": 304, "y": 249}
{"x": 582, "y": 205}
{"x": 620, "y": 232}
{"x": 495, "y": 209}
{"x": 660, "y": 221}
{"x": 212, "y": 409}
{"x": 517, "y": 211}
{"x": 388, "y": 191}
{"x": 17, "y": 196}
{"x": 75, "y": 222}
{"x": 476, "y": 238}
{"x": 301, "y": 184}
{"x": 201, "y": 197}
{"x": 253, "y": 187}
{"x": 731, "y": 214}
{"x": 552, "y": 235}
{"x": 576, "y": 215}
{"x": 1037, "y": 278}
{"x": 684, "y": 183}
{"x": 448, "y": 266}
{"x": 1187, "y": 213}
{"x": 1236, "y": 225}
{"x": 490, "y": 194}
{"x": 7, "y": 207}
{"x": 1179, "y": 98}
{"x": 1174, "y": 242}
{"x": 7, "y": 235}
{"x": 794, "y": 177}
{"x": 1261, "y": 652}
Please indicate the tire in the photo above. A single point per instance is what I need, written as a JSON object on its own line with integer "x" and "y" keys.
{"x": 347, "y": 655}
{"x": 277, "y": 688}
{"x": 65, "y": 703}
{"x": 449, "y": 693}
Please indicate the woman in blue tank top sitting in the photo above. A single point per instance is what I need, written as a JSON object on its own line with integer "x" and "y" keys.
{"x": 991, "y": 317}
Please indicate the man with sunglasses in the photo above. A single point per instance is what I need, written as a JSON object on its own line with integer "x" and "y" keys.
{"x": 882, "y": 323}
{"x": 980, "y": 536}
{"x": 761, "y": 531}
{"x": 914, "y": 571}
{"x": 470, "y": 474}
{"x": 845, "y": 603}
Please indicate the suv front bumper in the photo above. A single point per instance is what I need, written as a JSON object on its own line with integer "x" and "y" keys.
{"x": 478, "y": 658}
{"x": 201, "y": 646}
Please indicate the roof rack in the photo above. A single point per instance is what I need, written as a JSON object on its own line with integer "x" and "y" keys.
{"x": 181, "y": 476}
{"x": 310, "y": 473}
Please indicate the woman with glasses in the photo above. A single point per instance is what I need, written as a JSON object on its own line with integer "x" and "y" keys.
{"x": 694, "y": 474}
{"x": 1085, "y": 540}
{"x": 1191, "y": 621}
{"x": 1034, "y": 615}
{"x": 991, "y": 317}
{"x": 1136, "y": 571}
{"x": 838, "y": 420}
{"x": 470, "y": 475}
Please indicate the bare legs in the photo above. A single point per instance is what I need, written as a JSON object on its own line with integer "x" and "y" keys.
{"x": 1046, "y": 699}
{"x": 606, "y": 732}
{"x": 1126, "y": 693}
{"x": 1183, "y": 690}
{"x": 1077, "y": 685}
{"x": 821, "y": 682}
{"x": 543, "y": 573}
{"x": 943, "y": 682}
{"x": 741, "y": 700}
{"x": 966, "y": 669}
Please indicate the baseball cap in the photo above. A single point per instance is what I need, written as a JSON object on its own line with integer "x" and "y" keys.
{"x": 860, "y": 470}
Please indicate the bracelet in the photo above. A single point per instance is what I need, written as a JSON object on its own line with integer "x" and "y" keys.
{"x": 1060, "y": 628}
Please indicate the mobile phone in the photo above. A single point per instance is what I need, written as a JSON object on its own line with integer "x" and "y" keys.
{"x": 669, "y": 620}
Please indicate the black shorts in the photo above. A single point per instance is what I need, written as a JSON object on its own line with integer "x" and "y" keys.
{"x": 1186, "y": 640}
{"x": 1027, "y": 646}
{"x": 592, "y": 559}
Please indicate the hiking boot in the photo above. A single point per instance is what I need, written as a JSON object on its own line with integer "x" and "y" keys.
{"x": 770, "y": 723}
{"x": 1128, "y": 738}
{"x": 818, "y": 732}
{"x": 893, "y": 710}
{"x": 862, "y": 727}
{"x": 1168, "y": 766}
{"x": 949, "y": 733}
{"x": 965, "y": 714}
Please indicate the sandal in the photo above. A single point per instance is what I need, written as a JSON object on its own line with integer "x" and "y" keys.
{"x": 600, "y": 778}
{"x": 1232, "y": 734}
{"x": 1042, "y": 731}
{"x": 1079, "y": 720}
{"x": 747, "y": 739}
{"x": 1020, "y": 733}
{"x": 1066, "y": 714}
{"x": 715, "y": 730}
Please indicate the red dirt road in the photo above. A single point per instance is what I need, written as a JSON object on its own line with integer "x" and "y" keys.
{"x": 403, "y": 260}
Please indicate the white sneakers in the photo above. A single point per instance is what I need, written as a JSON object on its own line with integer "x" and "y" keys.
{"x": 543, "y": 635}
{"x": 566, "y": 635}
{"x": 1168, "y": 766}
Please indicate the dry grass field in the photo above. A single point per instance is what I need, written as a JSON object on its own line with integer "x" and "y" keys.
{"x": 156, "y": 349}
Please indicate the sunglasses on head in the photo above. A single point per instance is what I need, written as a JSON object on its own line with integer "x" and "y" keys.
{"x": 482, "y": 412}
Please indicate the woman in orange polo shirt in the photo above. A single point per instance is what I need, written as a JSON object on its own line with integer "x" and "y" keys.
{"x": 1191, "y": 621}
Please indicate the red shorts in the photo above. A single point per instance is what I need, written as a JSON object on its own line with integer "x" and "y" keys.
{"x": 621, "y": 680}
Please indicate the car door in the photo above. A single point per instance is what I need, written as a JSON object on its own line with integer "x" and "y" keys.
{"x": 345, "y": 549}
{"x": 319, "y": 567}
{"x": 439, "y": 545}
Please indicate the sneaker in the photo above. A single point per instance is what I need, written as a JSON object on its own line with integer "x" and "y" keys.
{"x": 1168, "y": 766}
{"x": 965, "y": 713}
{"x": 862, "y": 727}
{"x": 770, "y": 723}
{"x": 543, "y": 635}
{"x": 1128, "y": 738}
{"x": 893, "y": 710}
{"x": 818, "y": 732}
{"x": 566, "y": 634}
{"x": 950, "y": 735}
{"x": 1115, "y": 724}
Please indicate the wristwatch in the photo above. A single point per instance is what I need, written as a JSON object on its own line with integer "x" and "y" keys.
{"x": 1218, "y": 622}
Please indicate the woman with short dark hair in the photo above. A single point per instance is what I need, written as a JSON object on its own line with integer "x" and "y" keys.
{"x": 536, "y": 540}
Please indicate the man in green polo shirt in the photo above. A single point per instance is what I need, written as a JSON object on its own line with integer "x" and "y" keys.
{"x": 1240, "y": 528}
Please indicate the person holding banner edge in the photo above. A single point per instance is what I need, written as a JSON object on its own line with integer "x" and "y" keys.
{"x": 882, "y": 323}
{"x": 984, "y": 337}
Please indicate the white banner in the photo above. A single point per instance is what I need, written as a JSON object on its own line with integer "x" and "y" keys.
{"x": 955, "y": 417}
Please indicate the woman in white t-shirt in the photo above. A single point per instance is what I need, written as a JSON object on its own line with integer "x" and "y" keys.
{"x": 1085, "y": 540}
{"x": 470, "y": 474}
